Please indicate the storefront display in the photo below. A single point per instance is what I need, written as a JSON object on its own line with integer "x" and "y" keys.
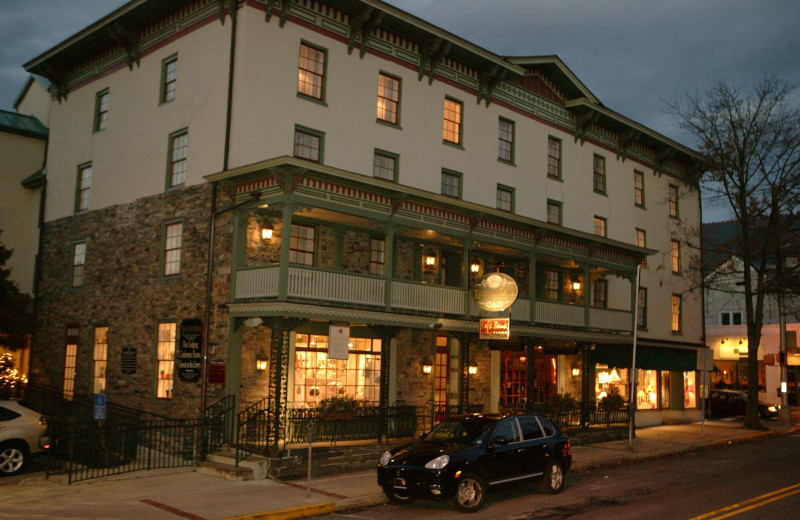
{"x": 646, "y": 395}
{"x": 689, "y": 390}
{"x": 611, "y": 381}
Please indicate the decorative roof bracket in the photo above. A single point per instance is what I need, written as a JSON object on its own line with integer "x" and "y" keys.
{"x": 430, "y": 55}
{"x": 661, "y": 158}
{"x": 288, "y": 180}
{"x": 361, "y": 28}
{"x": 582, "y": 124}
{"x": 488, "y": 81}
{"x": 271, "y": 4}
{"x": 624, "y": 142}
{"x": 129, "y": 38}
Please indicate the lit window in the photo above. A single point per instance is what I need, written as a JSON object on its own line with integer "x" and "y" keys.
{"x": 377, "y": 256}
{"x": 689, "y": 390}
{"x": 673, "y": 201}
{"x": 600, "y": 226}
{"x": 441, "y": 372}
{"x": 308, "y": 145}
{"x": 100, "y": 359}
{"x": 301, "y": 245}
{"x": 173, "y": 241}
{"x": 169, "y": 79}
{"x": 638, "y": 188}
{"x": 675, "y": 256}
{"x": 452, "y": 121}
{"x": 178, "y": 153}
{"x": 78, "y": 263}
{"x": 554, "y": 157}
{"x": 505, "y": 198}
{"x": 553, "y": 212}
{"x": 676, "y": 313}
{"x": 318, "y": 377}
{"x": 451, "y": 184}
{"x": 513, "y": 377}
{"x": 166, "y": 360}
{"x": 641, "y": 302}
{"x": 101, "y": 111}
{"x": 641, "y": 241}
{"x": 311, "y": 72}
{"x": 388, "y": 98}
{"x": 599, "y": 177}
{"x": 70, "y": 361}
{"x": 505, "y": 141}
{"x": 84, "y": 188}
{"x": 384, "y": 166}
{"x": 647, "y": 395}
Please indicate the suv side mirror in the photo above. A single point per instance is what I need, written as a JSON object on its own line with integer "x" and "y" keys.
{"x": 499, "y": 441}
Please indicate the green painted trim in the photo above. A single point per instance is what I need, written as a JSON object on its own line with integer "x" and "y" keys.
{"x": 97, "y": 101}
{"x": 513, "y": 192}
{"x": 399, "y": 80}
{"x": 163, "y": 85}
{"x": 286, "y": 236}
{"x": 513, "y": 124}
{"x": 324, "y": 87}
{"x": 162, "y": 250}
{"x": 388, "y": 259}
{"x": 81, "y": 169}
{"x": 310, "y": 131}
{"x": 391, "y": 155}
{"x": 170, "y": 142}
{"x": 460, "y": 176}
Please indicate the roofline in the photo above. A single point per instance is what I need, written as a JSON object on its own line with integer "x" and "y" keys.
{"x": 554, "y": 59}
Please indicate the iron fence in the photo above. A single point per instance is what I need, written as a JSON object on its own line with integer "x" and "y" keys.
{"x": 363, "y": 423}
{"x": 574, "y": 417}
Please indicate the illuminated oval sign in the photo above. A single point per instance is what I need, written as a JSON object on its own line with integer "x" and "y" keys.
{"x": 495, "y": 292}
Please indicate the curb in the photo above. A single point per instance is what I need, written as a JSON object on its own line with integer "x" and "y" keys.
{"x": 319, "y": 508}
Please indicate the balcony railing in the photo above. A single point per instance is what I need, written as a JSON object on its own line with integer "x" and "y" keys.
{"x": 338, "y": 287}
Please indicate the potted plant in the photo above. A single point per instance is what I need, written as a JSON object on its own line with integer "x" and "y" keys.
{"x": 338, "y": 406}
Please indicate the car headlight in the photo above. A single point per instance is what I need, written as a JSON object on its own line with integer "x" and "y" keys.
{"x": 438, "y": 462}
{"x": 772, "y": 408}
{"x": 385, "y": 458}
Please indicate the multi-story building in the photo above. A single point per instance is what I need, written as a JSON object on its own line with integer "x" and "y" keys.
{"x": 266, "y": 186}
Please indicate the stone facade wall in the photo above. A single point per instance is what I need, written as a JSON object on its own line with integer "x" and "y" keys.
{"x": 125, "y": 290}
{"x": 254, "y": 384}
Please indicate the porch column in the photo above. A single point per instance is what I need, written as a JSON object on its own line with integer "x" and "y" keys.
{"x": 286, "y": 236}
{"x": 463, "y": 377}
{"x": 389, "y": 265}
{"x": 278, "y": 370}
{"x": 587, "y": 382}
{"x": 467, "y": 275}
{"x": 530, "y": 374}
{"x": 532, "y": 285}
{"x": 386, "y": 334}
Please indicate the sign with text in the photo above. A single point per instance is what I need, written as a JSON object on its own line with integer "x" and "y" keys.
{"x": 128, "y": 365}
{"x": 216, "y": 374}
{"x": 190, "y": 361}
{"x": 495, "y": 328}
{"x": 495, "y": 292}
{"x": 99, "y": 407}
{"x": 338, "y": 341}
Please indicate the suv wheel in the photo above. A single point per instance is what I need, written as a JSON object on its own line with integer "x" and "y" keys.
{"x": 553, "y": 481}
{"x": 13, "y": 456}
{"x": 470, "y": 493}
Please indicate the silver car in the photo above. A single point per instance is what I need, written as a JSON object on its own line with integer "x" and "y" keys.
{"x": 22, "y": 433}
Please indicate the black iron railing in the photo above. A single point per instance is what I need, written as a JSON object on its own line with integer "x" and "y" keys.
{"x": 577, "y": 416}
{"x": 218, "y": 425}
{"x": 253, "y": 433}
{"x": 362, "y": 423}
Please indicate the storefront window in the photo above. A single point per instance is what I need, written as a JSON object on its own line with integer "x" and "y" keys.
{"x": 646, "y": 395}
{"x": 609, "y": 381}
{"x": 665, "y": 390}
{"x": 317, "y": 377}
{"x": 689, "y": 390}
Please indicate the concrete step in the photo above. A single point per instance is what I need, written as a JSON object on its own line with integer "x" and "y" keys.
{"x": 224, "y": 471}
{"x": 258, "y": 465}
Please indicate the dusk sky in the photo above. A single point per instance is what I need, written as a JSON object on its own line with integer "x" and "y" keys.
{"x": 632, "y": 55}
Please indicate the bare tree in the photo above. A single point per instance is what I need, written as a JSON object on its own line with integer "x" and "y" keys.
{"x": 750, "y": 135}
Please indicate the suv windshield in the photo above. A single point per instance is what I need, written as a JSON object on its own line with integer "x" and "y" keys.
{"x": 461, "y": 430}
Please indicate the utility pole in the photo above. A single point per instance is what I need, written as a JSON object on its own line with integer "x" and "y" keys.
{"x": 784, "y": 414}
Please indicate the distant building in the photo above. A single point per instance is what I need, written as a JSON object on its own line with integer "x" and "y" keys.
{"x": 345, "y": 164}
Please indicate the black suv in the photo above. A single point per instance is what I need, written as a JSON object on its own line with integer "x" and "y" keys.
{"x": 461, "y": 457}
{"x": 732, "y": 403}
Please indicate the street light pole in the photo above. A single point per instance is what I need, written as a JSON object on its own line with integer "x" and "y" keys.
{"x": 784, "y": 413}
{"x": 632, "y": 406}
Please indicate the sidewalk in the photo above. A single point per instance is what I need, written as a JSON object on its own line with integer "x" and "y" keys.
{"x": 174, "y": 494}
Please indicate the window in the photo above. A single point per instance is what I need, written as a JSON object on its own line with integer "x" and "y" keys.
{"x": 676, "y": 313}
{"x": 599, "y": 226}
{"x": 673, "y": 201}
{"x": 169, "y": 78}
{"x": 388, "y": 99}
{"x": 308, "y": 144}
{"x": 100, "y": 358}
{"x": 311, "y": 72}
{"x": 505, "y": 141}
{"x": 78, "y": 263}
{"x": 513, "y": 377}
{"x": 599, "y": 177}
{"x": 377, "y": 256}
{"x": 84, "y": 188}
{"x": 317, "y": 377}
{"x": 601, "y": 293}
{"x": 675, "y": 255}
{"x": 441, "y": 372}
{"x": 101, "y": 111}
{"x": 647, "y": 395}
{"x": 554, "y": 212}
{"x": 505, "y": 198}
{"x": 638, "y": 188}
{"x": 301, "y": 245}
{"x": 641, "y": 241}
{"x": 451, "y": 184}
{"x": 165, "y": 360}
{"x": 70, "y": 361}
{"x": 553, "y": 158}
{"x": 689, "y": 390}
{"x": 384, "y": 166}
{"x": 641, "y": 303}
{"x": 173, "y": 241}
{"x": 178, "y": 152}
{"x": 452, "y": 121}
{"x": 730, "y": 318}
{"x": 551, "y": 285}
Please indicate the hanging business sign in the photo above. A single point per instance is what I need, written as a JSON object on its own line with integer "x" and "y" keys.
{"x": 495, "y": 292}
{"x": 338, "y": 341}
{"x": 190, "y": 361}
{"x": 495, "y": 328}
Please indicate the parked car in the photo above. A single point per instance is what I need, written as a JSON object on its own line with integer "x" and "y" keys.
{"x": 462, "y": 457}
{"x": 22, "y": 432}
{"x": 733, "y": 403}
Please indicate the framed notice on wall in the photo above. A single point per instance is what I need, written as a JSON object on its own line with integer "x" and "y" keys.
{"x": 189, "y": 355}
{"x": 338, "y": 341}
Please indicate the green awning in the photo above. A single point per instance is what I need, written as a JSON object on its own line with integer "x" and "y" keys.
{"x": 648, "y": 358}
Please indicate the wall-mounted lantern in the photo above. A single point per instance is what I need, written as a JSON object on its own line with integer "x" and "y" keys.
{"x": 427, "y": 366}
{"x": 261, "y": 362}
{"x": 472, "y": 369}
